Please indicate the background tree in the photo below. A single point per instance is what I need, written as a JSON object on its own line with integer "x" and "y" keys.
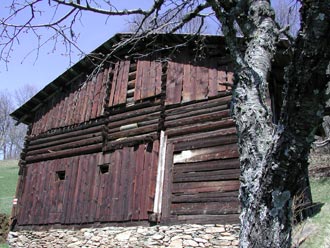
{"x": 11, "y": 135}
{"x": 273, "y": 157}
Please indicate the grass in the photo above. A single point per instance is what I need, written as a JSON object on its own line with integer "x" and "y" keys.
{"x": 8, "y": 181}
{"x": 321, "y": 238}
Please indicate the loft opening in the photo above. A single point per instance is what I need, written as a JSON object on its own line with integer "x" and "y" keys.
{"x": 60, "y": 175}
{"x": 104, "y": 168}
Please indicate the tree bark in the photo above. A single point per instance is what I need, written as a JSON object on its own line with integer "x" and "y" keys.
{"x": 274, "y": 158}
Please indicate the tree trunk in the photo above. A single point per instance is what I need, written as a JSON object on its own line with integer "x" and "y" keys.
{"x": 271, "y": 178}
{"x": 274, "y": 158}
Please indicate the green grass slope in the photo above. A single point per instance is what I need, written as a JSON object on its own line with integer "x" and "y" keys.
{"x": 8, "y": 181}
{"x": 321, "y": 221}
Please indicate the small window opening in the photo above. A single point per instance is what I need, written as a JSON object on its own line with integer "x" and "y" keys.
{"x": 104, "y": 168}
{"x": 60, "y": 175}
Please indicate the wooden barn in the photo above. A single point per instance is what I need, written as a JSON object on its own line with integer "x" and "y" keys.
{"x": 136, "y": 133}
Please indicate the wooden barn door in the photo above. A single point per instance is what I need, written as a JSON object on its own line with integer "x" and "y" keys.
{"x": 201, "y": 181}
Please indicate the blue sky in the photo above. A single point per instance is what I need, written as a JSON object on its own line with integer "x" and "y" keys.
{"x": 94, "y": 30}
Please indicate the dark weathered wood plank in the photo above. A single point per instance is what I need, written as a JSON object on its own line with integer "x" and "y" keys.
{"x": 207, "y": 165}
{"x": 174, "y": 83}
{"x": 199, "y": 128}
{"x": 222, "y": 79}
{"x": 205, "y": 197}
{"x": 198, "y": 118}
{"x": 114, "y": 84}
{"x": 168, "y": 187}
{"x": 65, "y": 153}
{"x": 213, "y": 79}
{"x": 206, "y": 142}
{"x": 195, "y": 106}
{"x": 208, "y": 219}
{"x": 148, "y": 84}
{"x": 187, "y": 92}
{"x": 196, "y": 187}
{"x": 139, "y": 80}
{"x": 158, "y": 77}
{"x": 231, "y": 207}
{"x": 202, "y": 83}
{"x": 216, "y": 175}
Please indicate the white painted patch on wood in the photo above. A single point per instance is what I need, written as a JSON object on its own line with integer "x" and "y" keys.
{"x": 160, "y": 173}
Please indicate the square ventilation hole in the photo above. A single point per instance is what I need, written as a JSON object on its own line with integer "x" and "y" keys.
{"x": 60, "y": 175}
{"x": 104, "y": 168}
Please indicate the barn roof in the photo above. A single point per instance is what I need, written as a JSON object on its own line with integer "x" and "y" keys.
{"x": 25, "y": 113}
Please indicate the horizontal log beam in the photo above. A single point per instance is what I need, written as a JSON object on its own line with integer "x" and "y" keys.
{"x": 64, "y": 141}
{"x": 197, "y": 119}
{"x": 71, "y": 145}
{"x": 65, "y": 153}
{"x": 68, "y": 134}
{"x": 199, "y": 128}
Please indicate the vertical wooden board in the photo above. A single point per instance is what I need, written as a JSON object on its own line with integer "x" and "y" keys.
{"x": 22, "y": 218}
{"x": 105, "y": 79}
{"x": 123, "y": 83}
{"x": 158, "y": 77}
{"x": 28, "y": 193}
{"x": 174, "y": 83}
{"x": 119, "y": 81}
{"x": 64, "y": 109}
{"x": 93, "y": 189}
{"x": 72, "y": 104}
{"x": 24, "y": 198}
{"x": 40, "y": 194}
{"x": 66, "y": 189}
{"x": 46, "y": 201}
{"x": 222, "y": 79}
{"x": 139, "y": 78}
{"x": 230, "y": 79}
{"x": 57, "y": 109}
{"x": 73, "y": 165}
{"x": 51, "y": 202}
{"x": 89, "y": 209}
{"x": 115, "y": 194}
{"x": 187, "y": 92}
{"x": 51, "y": 111}
{"x": 130, "y": 183}
{"x": 91, "y": 99}
{"x": 69, "y": 107}
{"x": 202, "y": 83}
{"x": 77, "y": 110}
{"x": 84, "y": 101}
{"x": 96, "y": 94}
{"x": 60, "y": 109}
{"x": 90, "y": 169}
{"x": 76, "y": 189}
{"x": 101, "y": 206}
{"x": 113, "y": 85}
{"x": 31, "y": 197}
{"x": 153, "y": 175}
{"x": 167, "y": 186}
{"x": 148, "y": 82}
{"x": 213, "y": 79}
{"x": 138, "y": 194}
{"x": 123, "y": 185}
{"x": 59, "y": 194}
{"x": 147, "y": 167}
{"x": 34, "y": 198}
{"x": 82, "y": 198}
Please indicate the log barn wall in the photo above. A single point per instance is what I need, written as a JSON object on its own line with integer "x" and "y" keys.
{"x": 93, "y": 151}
